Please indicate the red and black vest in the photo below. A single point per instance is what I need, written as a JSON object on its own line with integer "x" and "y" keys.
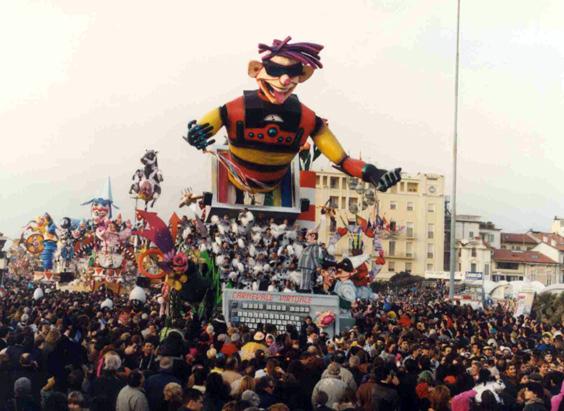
{"x": 255, "y": 125}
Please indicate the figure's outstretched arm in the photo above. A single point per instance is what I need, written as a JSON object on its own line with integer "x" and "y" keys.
{"x": 326, "y": 141}
{"x": 200, "y": 132}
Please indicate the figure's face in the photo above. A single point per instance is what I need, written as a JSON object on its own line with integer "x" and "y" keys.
{"x": 99, "y": 212}
{"x": 278, "y": 77}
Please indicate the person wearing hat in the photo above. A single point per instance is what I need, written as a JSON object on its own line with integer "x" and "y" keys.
{"x": 249, "y": 349}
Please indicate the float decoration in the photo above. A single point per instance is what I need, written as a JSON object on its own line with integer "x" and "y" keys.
{"x": 268, "y": 127}
{"x": 147, "y": 180}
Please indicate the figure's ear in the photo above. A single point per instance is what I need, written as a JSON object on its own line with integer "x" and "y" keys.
{"x": 308, "y": 71}
{"x": 254, "y": 68}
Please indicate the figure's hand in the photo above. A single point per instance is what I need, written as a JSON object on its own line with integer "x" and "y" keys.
{"x": 199, "y": 134}
{"x": 381, "y": 179}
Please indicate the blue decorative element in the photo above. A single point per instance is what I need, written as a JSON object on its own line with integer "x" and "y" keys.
{"x": 251, "y": 134}
{"x": 260, "y": 136}
{"x": 272, "y": 132}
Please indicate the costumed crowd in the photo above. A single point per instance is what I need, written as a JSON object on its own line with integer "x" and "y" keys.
{"x": 408, "y": 350}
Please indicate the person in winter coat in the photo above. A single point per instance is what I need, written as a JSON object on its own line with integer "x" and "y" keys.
{"x": 385, "y": 394}
{"x": 154, "y": 385}
{"x": 534, "y": 397}
{"x": 331, "y": 384}
{"x": 23, "y": 400}
{"x": 557, "y": 399}
{"x": 132, "y": 397}
{"x": 105, "y": 389}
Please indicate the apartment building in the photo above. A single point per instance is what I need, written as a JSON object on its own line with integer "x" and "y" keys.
{"x": 414, "y": 209}
{"x": 519, "y": 265}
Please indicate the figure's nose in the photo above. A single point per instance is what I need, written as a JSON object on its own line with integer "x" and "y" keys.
{"x": 285, "y": 79}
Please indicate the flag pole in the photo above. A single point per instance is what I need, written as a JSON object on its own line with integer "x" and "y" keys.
{"x": 454, "y": 161}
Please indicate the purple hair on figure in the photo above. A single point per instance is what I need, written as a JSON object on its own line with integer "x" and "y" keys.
{"x": 305, "y": 53}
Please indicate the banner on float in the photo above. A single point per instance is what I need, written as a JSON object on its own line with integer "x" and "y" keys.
{"x": 280, "y": 309}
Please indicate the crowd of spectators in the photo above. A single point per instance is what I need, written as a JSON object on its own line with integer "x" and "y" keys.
{"x": 408, "y": 350}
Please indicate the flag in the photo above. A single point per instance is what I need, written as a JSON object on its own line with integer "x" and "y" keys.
{"x": 365, "y": 226}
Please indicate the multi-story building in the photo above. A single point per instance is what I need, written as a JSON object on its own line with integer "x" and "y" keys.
{"x": 519, "y": 265}
{"x": 415, "y": 206}
{"x": 551, "y": 245}
{"x": 475, "y": 241}
{"x": 474, "y": 256}
{"x": 517, "y": 242}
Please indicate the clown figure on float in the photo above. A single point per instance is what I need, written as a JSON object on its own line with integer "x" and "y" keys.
{"x": 267, "y": 127}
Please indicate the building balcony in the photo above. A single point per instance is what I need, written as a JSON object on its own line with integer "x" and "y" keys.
{"x": 401, "y": 256}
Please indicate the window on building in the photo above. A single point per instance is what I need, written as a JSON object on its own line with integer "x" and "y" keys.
{"x": 333, "y": 182}
{"x": 412, "y": 187}
{"x": 431, "y": 207}
{"x": 334, "y": 202}
{"x": 392, "y": 248}
{"x": 429, "y": 267}
{"x": 430, "y": 231}
{"x": 459, "y": 267}
{"x": 353, "y": 201}
{"x": 409, "y": 230}
{"x": 409, "y": 206}
{"x": 430, "y": 250}
{"x": 473, "y": 267}
{"x": 473, "y": 252}
{"x": 343, "y": 202}
{"x": 486, "y": 269}
{"x": 471, "y": 234}
{"x": 317, "y": 181}
{"x": 393, "y": 205}
{"x": 391, "y": 266}
{"x": 402, "y": 186}
{"x": 408, "y": 267}
{"x": 409, "y": 249}
{"x": 507, "y": 266}
{"x": 344, "y": 183}
{"x": 324, "y": 181}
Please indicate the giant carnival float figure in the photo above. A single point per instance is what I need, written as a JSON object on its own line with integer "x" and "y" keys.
{"x": 147, "y": 180}
{"x": 40, "y": 239}
{"x": 111, "y": 251}
{"x": 267, "y": 127}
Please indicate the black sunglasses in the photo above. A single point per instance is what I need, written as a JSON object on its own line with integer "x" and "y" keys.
{"x": 277, "y": 70}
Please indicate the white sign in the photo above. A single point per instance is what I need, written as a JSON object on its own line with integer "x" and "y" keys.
{"x": 474, "y": 276}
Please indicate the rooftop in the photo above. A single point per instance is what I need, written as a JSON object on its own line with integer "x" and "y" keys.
{"x": 552, "y": 239}
{"x": 527, "y": 257}
{"x": 517, "y": 238}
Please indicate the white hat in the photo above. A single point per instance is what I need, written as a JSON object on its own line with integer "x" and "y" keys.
{"x": 138, "y": 294}
{"x": 38, "y": 294}
{"x": 107, "y": 303}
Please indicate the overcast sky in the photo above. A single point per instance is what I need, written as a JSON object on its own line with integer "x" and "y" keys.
{"x": 86, "y": 87}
